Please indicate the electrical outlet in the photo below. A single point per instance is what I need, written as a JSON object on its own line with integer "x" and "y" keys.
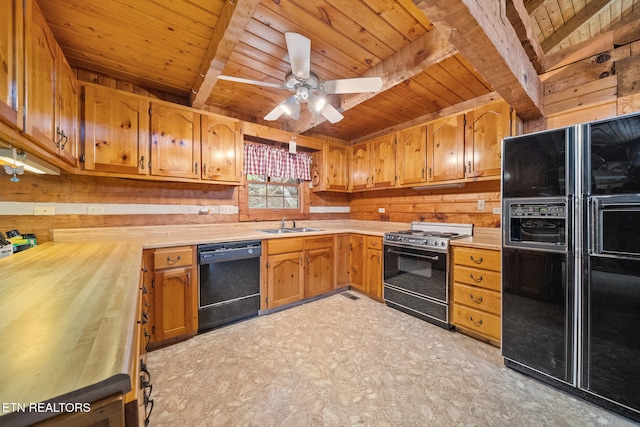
{"x": 228, "y": 209}
{"x": 213, "y": 209}
{"x": 482, "y": 205}
{"x": 44, "y": 210}
{"x": 381, "y": 210}
{"x": 95, "y": 210}
{"x": 497, "y": 211}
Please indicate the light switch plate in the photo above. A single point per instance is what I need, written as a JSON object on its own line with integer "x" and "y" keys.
{"x": 482, "y": 205}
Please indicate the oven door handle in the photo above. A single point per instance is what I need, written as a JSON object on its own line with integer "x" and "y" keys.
{"x": 432, "y": 258}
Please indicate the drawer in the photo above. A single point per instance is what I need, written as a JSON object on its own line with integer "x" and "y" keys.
{"x": 477, "y": 298}
{"x": 476, "y": 277}
{"x": 374, "y": 242}
{"x": 477, "y": 321}
{"x": 172, "y": 257}
{"x": 318, "y": 242}
{"x": 283, "y": 246}
{"x": 478, "y": 258}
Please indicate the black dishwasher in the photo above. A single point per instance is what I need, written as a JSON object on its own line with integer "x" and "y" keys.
{"x": 229, "y": 283}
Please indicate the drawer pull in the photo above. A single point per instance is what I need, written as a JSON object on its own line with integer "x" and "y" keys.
{"x": 478, "y": 280}
{"x": 173, "y": 261}
{"x": 478, "y": 323}
{"x": 477, "y": 261}
{"x": 476, "y": 300}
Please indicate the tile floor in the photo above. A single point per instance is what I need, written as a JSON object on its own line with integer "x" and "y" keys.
{"x": 344, "y": 362}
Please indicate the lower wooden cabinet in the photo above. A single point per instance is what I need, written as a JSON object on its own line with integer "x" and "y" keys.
{"x": 373, "y": 267}
{"x": 174, "y": 291}
{"x": 476, "y": 297}
{"x": 318, "y": 265}
{"x": 285, "y": 271}
{"x": 299, "y": 268}
{"x": 366, "y": 265}
{"x": 343, "y": 266}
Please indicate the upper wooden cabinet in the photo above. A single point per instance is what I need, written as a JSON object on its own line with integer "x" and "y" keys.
{"x": 486, "y": 126}
{"x": 383, "y": 161}
{"x": 221, "y": 149}
{"x": 412, "y": 156}
{"x": 331, "y": 168}
{"x": 445, "y": 139}
{"x": 51, "y": 110}
{"x": 116, "y": 131}
{"x": 360, "y": 166}
{"x": 11, "y": 83}
{"x": 175, "y": 141}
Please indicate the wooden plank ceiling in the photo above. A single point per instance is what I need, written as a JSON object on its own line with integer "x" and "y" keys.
{"x": 181, "y": 46}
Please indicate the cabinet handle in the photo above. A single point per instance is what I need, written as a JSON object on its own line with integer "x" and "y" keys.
{"x": 327, "y": 181}
{"x": 195, "y": 168}
{"x": 141, "y": 162}
{"x": 189, "y": 278}
{"x": 147, "y": 336}
{"x": 145, "y": 318}
{"x": 469, "y": 167}
{"x": 147, "y": 415}
{"x": 62, "y": 136}
{"x": 422, "y": 173}
{"x": 474, "y": 279}
{"x": 173, "y": 261}
{"x": 430, "y": 172}
{"x": 478, "y": 323}
{"x": 476, "y": 300}
{"x": 477, "y": 261}
{"x": 204, "y": 169}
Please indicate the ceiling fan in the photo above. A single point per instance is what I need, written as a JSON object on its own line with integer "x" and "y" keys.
{"x": 307, "y": 87}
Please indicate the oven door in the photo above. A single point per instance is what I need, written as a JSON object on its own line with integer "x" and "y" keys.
{"x": 616, "y": 226}
{"x": 417, "y": 271}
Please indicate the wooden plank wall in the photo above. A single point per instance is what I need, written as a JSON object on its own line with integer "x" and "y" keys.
{"x": 103, "y": 190}
{"x": 601, "y": 85}
{"x": 457, "y": 205}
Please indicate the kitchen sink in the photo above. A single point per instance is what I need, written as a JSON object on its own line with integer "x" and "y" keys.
{"x": 289, "y": 230}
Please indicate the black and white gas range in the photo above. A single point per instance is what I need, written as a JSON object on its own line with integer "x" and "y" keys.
{"x": 416, "y": 269}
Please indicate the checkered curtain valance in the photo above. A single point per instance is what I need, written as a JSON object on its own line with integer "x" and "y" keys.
{"x": 260, "y": 159}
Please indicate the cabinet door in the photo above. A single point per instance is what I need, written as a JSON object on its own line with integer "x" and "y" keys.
{"x": 41, "y": 55}
{"x": 116, "y": 131}
{"x": 486, "y": 126}
{"x": 343, "y": 263}
{"x": 446, "y": 148}
{"x": 360, "y": 166}
{"x": 221, "y": 149}
{"x": 373, "y": 273}
{"x": 318, "y": 277}
{"x": 336, "y": 167}
{"x": 285, "y": 279}
{"x": 174, "y": 292}
{"x": 175, "y": 142}
{"x": 67, "y": 112}
{"x": 412, "y": 156}
{"x": 383, "y": 161}
{"x": 357, "y": 254}
{"x": 10, "y": 62}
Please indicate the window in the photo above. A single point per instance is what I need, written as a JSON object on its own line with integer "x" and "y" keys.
{"x": 273, "y": 193}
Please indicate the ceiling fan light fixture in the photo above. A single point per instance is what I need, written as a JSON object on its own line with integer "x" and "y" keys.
{"x": 291, "y": 107}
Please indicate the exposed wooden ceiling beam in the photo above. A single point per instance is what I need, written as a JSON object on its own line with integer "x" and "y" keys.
{"x": 485, "y": 37}
{"x": 428, "y": 50}
{"x": 532, "y": 5}
{"x": 520, "y": 21}
{"x": 592, "y": 7}
{"x": 234, "y": 17}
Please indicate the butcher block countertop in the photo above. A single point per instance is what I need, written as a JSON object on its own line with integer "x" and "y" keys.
{"x": 67, "y": 320}
{"x": 483, "y": 238}
{"x": 176, "y": 235}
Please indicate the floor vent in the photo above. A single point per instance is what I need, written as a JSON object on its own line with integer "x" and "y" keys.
{"x": 350, "y": 296}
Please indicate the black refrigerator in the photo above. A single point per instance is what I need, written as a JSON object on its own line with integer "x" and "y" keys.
{"x": 571, "y": 260}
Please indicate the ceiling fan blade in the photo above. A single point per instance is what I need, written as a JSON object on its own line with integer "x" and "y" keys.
{"x": 299, "y": 48}
{"x": 289, "y": 107}
{"x": 356, "y": 85}
{"x": 331, "y": 114}
{"x": 252, "y": 82}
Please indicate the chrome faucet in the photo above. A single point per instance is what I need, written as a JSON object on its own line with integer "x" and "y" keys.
{"x": 284, "y": 219}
